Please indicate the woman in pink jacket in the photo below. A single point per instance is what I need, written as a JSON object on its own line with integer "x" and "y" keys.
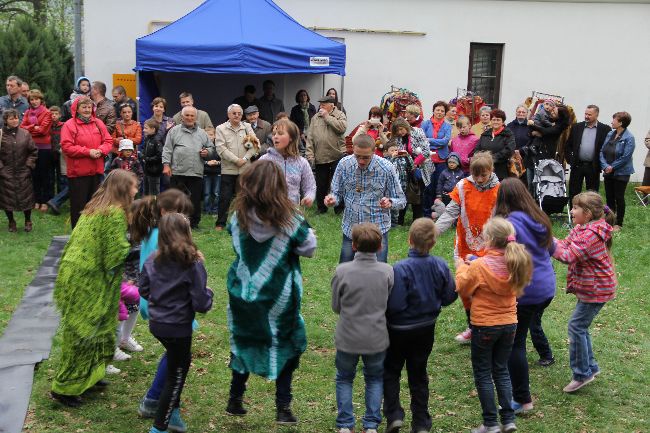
{"x": 38, "y": 120}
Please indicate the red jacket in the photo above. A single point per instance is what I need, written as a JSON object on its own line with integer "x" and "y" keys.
{"x": 41, "y": 136}
{"x": 78, "y": 138}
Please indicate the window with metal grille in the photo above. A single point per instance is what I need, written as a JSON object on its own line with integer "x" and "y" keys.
{"x": 484, "y": 73}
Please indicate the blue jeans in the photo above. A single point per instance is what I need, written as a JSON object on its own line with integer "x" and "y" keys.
{"x": 211, "y": 184}
{"x": 373, "y": 370}
{"x": 347, "y": 254}
{"x": 62, "y": 196}
{"x": 581, "y": 355}
{"x": 159, "y": 379}
{"x": 491, "y": 346}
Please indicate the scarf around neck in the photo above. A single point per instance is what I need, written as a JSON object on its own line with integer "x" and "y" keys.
{"x": 34, "y": 113}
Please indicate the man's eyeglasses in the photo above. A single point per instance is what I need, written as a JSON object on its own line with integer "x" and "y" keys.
{"x": 363, "y": 157}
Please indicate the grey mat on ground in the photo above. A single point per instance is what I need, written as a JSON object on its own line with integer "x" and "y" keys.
{"x": 27, "y": 340}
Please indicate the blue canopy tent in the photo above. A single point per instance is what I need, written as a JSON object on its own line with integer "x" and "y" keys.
{"x": 233, "y": 37}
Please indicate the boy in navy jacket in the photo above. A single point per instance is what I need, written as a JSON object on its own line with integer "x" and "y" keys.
{"x": 423, "y": 284}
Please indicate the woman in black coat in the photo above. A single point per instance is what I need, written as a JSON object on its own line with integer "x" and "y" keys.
{"x": 499, "y": 141}
{"x": 18, "y": 155}
{"x": 546, "y": 138}
{"x": 301, "y": 114}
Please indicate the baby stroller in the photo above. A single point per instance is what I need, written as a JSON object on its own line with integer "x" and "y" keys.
{"x": 549, "y": 184}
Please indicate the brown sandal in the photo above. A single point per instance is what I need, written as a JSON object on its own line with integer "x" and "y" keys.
{"x": 12, "y": 227}
{"x": 29, "y": 226}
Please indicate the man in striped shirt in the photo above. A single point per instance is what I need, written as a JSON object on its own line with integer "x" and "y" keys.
{"x": 369, "y": 187}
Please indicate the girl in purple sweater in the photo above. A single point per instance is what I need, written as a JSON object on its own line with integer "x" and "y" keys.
{"x": 301, "y": 184}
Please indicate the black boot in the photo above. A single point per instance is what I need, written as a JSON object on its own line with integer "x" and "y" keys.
{"x": 235, "y": 407}
{"x": 67, "y": 400}
{"x": 284, "y": 416}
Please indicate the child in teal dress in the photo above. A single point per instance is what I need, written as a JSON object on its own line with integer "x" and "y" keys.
{"x": 267, "y": 331}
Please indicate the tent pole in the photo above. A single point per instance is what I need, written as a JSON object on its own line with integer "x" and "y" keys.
{"x": 137, "y": 94}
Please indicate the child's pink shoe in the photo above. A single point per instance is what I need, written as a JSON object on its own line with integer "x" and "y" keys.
{"x": 465, "y": 336}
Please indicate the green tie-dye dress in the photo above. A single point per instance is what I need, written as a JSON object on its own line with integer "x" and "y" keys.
{"x": 87, "y": 293}
{"x": 265, "y": 293}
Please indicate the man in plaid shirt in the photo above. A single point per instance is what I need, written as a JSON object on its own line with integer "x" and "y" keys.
{"x": 369, "y": 187}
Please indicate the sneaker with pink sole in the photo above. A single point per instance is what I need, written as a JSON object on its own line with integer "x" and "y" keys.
{"x": 575, "y": 385}
{"x": 464, "y": 337}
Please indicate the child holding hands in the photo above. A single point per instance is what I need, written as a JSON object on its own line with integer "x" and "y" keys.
{"x": 490, "y": 286}
{"x": 173, "y": 280}
{"x": 472, "y": 202}
{"x": 360, "y": 290}
{"x": 423, "y": 284}
{"x": 590, "y": 277}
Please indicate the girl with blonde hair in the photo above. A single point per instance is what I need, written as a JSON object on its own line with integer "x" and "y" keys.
{"x": 490, "y": 285}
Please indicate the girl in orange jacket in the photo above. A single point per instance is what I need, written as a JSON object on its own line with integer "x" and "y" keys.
{"x": 490, "y": 285}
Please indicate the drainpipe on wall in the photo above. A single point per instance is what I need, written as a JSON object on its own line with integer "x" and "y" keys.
{"x": 78, "y": 48}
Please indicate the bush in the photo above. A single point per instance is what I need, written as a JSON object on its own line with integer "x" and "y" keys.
{"x": 39, "y": 56}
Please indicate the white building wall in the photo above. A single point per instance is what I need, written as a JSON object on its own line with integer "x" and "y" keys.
{"x": 588, "y": 52}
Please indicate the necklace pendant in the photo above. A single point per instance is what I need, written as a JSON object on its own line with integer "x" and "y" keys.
{"x": 359, "y": 189}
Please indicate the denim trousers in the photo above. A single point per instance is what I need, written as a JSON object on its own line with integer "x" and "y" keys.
{"x": 491, "y": 346}
{"x": 179, "y": 357}
{"x": 347, "y": 254}
{"x": 211, "y": 183}
{"x": 283, "y": 394}
{"x": 159, "y": 379}
{"x": 518, "y": 363}
{"x": 581, "y": 355}
{"x": 411, "y": 347}
{"x": 373, "y": 370}
{"x": 62, "y": 195}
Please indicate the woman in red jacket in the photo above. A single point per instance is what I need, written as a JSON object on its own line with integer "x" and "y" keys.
{"x": 38, "y": 120}
{"x": 85, "y": 142}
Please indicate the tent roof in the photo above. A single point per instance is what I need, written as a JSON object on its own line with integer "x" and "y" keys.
{"x": 239, "y": 37}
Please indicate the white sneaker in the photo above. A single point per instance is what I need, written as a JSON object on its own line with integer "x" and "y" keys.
{"x": 111, "y": 369}
{"x": 131, "y": 345}
{"x": 120, "y": 356}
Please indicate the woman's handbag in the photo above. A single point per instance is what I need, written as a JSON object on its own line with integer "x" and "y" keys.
{"x": 516, "y": 167}
{"x": 412, "y": 190}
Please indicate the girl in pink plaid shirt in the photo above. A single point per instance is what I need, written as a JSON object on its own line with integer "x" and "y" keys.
{"x": 590, "y": 277}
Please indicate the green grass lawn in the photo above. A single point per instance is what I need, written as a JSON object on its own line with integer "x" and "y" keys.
{"x": 617, "y": 401}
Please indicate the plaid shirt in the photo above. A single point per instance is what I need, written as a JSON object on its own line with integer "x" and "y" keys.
{"x": 361, "y": 190}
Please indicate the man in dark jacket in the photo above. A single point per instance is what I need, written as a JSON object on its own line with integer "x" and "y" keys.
{"x": 120, "y": 98}
{"x": 520, "y": 128}
{"x": 104, "y": 109}
{"x": 269, "y": 105}
{"x": 583, "y": 148}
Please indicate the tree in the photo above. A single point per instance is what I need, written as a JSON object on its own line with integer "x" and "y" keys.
{"x": 38, "y": 55}
{"x": 58, "y": 14}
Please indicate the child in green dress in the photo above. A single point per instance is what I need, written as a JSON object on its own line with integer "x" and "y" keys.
{"x": 87, "y": 288}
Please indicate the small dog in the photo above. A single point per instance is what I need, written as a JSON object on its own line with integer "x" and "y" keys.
{"x": 251, "y": 142}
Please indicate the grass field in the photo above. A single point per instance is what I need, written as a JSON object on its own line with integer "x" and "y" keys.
{"x": 617, "y": 401}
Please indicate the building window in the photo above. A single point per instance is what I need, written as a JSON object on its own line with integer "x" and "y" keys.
{"x": 484, "y": 74}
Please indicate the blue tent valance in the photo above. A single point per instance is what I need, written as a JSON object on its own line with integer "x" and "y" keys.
{"x": 239, "y": 37}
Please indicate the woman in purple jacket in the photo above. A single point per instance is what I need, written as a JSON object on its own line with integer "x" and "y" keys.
{"x": 533, "y": 229}
{"x": 301, "y": 184}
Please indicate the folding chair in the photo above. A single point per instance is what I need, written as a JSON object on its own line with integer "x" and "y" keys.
{"x": 643, "y": 194}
